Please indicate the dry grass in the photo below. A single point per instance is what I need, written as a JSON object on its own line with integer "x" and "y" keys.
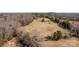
{"x": 41, "y": 28}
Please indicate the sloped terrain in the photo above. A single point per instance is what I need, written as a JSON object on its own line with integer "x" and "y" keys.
{"x": 10, "y": 22}
{"x": 37, "y": 31}
{"x": 42, "y": 29}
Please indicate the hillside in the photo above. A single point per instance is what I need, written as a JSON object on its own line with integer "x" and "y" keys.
{"x": 41, "y": 30}
{"x": 10, "y": 22}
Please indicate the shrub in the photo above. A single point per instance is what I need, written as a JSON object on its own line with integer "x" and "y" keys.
{"x": 10, "y": 37}
{"x": 25, "y": 19}
{"x": 65, "y": 24}
{"x": 1, "y": 41}
{"x": 34, "y": 17}
{"x": 1, "y": 38}
{"x": 57, "y": 35}
{"x": 75, "y": 33}
{"x": 22, "y": 23}
{"x": 56, "y": 20}
{"x": 46, "y": 16}
{"x": 66, "y": 35}
{"x": 3, "y": 32}
{"x": 42, "y": 20}
{"x": 24, "y": 38}
{"x": 14, "y": 33}
{"x": 48, "y": 37}
{"x": 52, "y": 18}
